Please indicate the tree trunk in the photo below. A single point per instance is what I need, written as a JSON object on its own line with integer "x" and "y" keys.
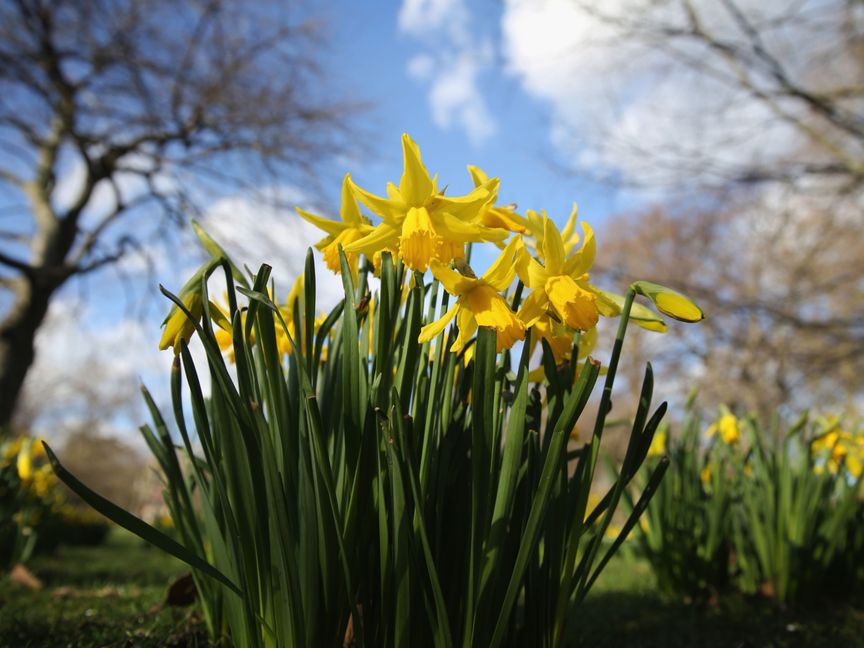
{"x": 17, "y": 351}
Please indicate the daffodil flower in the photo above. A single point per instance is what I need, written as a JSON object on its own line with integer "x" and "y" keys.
{"x": 353, "y": 227}
{"x": 479, "y": 303}
{"x": 536, "y": 228}
{"x": 727, "y": 428}
{"x": 490, "y": 215}
{"x": 419, "y": 221}
{"x": 658, "y": 444}
{"x": 562, "y": 284}
{"x": 24, "y": 462}
{"x": 842, "y": 450}
{"x": 287, "y": 311}
{"x": 177, "y": 325}
{"x": 560, "y": 341}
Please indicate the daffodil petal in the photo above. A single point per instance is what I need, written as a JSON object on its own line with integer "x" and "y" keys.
{"x": 467, "y": 326}
{"x": 568, "y": 233}
{"x": 385, "y": 236}
{"x": 459, "y": 231}
{"x": 332, "y": 227}
{"x": 453, "y": 282}
{"x": 553, "y": 248}
{"x": 500, "y": 274}
{"x": 530, "y": 272}
{"x": 349, "y": 211}
{"x": 533, "y": 307}
{"x": 576, "y": 305}
{"x": 581, "y": 261}
{"x": 478, "y": 175}
{"x": 433, "y": 329}
{"x": 416, "y": 185}
{"x": 392, "y": 211}
{"x": 470, "y": 203}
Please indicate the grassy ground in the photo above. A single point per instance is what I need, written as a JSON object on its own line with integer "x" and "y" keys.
{"x": 112, "y": 596}
{"x": 625, "y": 609}
{"x": 95, "y": 597}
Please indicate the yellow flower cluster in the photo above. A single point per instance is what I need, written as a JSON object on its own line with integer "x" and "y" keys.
{"x": 429, "y": 230}
{"x": 28, "y": 457}
{"x": 838, "y": 449}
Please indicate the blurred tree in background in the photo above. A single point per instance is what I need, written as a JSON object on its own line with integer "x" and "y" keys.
{"x": 111, "y": 466}
{"x": 757, "y": 134}
{"x": 112, "y": 115}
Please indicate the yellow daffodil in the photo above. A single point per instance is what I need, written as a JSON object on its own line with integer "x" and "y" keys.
{"x": 287, "y": 311}
{"x": 177, "y": 325}
{"x": 562, "y": 284}
{"x": 479, "y": 303}
{"x": 825, "y": 442}
{"x": 855, "y": 464}
{"x": 560, "y": 340}
{"x": 536, "y": 229}
{"x": 25, "y": 462}
{"x": 727, "y": 427}
{"x": 658, "y": 444}
{"x": 353, "y": 227}
{"x": 706, "y": 473}
{"x": 422, "y": 223}
{"x": 839, "y": 449}
{"x": 223, "y": 332}
{"x": 504, "y": 217}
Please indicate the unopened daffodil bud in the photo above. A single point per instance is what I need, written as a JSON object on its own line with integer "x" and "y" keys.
{"x": 670, "y": 302}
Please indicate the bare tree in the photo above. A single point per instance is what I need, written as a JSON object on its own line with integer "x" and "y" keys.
{"x": 744, "y": 91}
{"x": 781, "y": 289}
{"x": 746, "y": 118}
{"x": 126, "y": 104}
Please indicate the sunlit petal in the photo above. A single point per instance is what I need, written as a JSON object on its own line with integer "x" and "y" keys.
{"x": 553, "y": 248}
{"x": 432, "y": 330}
{"x": 453, "y": 282}
{"x": 416, "y": 186}
{"x": 500, "y": 274}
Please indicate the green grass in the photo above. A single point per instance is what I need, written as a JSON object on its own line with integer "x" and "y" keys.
{"x": 625, "y": 609}
{"x": 109, "y": 595}
{"x": 98, "y": 596}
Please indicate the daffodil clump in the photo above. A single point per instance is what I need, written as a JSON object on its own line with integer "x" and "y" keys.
{"x": 35, "y": 514}
{"x": 27, "y": 494}
{"x": 838, "y": 449}
{"x": 773, "y": 511}
{"x": 400, "y": 471}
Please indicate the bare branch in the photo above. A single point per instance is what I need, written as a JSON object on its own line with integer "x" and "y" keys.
{"x": 17, "y": 264}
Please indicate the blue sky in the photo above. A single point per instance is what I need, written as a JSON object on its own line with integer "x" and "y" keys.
{"x": 372, "y": 63}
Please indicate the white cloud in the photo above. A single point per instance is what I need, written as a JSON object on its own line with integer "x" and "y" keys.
{"x": 455, "y": 97}
{"x": 258, "y": 231}
{"x": 425, "y": 18}
{"x": 421, "y": 67}
{"x": 452, "y": 66}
